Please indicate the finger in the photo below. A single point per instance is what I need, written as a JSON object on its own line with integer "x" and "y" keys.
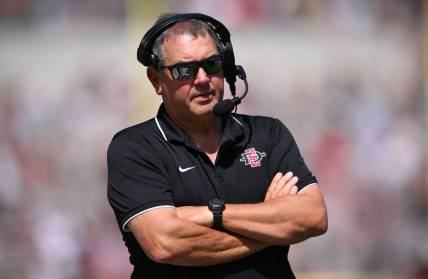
{"x": 277, "y": 176}
{"x": 290, "y": 184}
{"x": 273, "y": 184}
{"x": 294, "y": 190}
{"x": 281, "y": 184}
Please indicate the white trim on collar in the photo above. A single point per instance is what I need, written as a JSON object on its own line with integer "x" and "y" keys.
{"x": 160, "y": 129}
{"x": 237, "y": 121}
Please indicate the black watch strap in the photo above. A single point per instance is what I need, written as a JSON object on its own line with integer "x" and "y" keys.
{"x": 218, "y": 220}
{"x": 217, "y": 206}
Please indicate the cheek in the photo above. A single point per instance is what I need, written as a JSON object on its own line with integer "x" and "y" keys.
{"x": 175, "y": 88}
{"x": 220, "y": 86}
{"x": 182, "y": 91}
{"x": 218, "y": 83}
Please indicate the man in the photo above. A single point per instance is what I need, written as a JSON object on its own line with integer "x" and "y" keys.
{"x": 202, "y": 196}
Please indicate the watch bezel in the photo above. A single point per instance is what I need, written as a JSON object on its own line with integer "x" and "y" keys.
{"x": 216, "y": 205}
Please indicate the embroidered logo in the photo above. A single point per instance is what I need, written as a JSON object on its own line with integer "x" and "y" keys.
{"x": 185, "y": 169}
{"x": 252, "y": 157}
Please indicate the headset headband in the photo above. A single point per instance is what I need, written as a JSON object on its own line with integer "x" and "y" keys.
{"x": 145, "y": 50}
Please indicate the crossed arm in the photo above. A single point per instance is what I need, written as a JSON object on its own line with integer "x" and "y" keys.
{"x": 183, "y": 235}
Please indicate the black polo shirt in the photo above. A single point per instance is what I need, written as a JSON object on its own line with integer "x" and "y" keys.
{"x": 156, "y": 164}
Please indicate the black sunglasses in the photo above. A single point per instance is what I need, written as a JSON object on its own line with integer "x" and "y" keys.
{"x": 189, "y": 70}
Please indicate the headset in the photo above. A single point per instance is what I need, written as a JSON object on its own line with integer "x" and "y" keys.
{"x": 146, "y": 56}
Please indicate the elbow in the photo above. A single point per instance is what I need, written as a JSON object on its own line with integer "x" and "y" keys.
{"x": 310, "y": 227}
{"x": 315, "y": 224}
{"x": 320, "y": 228}
{"x": 161, "y": 252}
{"x": 159, "y": 256}
{"x": 319, "y": 224}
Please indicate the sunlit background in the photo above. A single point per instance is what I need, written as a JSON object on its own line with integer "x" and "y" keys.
{"x": 346, "y": 76}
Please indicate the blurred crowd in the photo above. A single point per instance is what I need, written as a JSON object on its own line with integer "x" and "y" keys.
{"x": 346, "y": 76}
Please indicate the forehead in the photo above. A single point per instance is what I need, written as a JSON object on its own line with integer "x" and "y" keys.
{"x": 188, "y": 47}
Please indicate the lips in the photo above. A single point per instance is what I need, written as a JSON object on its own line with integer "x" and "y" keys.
{"x": 203, "y": 95}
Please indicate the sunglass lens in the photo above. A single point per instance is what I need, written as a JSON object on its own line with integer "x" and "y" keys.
{"x": 187, "y": 71}
{"x": 184, "y": 71}
{"x": 212, "y": 66}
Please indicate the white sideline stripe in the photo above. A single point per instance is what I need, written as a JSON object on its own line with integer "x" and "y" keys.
{"x": 238, "y": 121}
{"x": 160, "y": 129}
{"x": 125, "y": 228}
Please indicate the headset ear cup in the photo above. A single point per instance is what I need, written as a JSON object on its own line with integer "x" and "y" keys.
{"x": 155, "y": 63}
{"x": 229, "y": 68}
{"x": 140, "y": 53}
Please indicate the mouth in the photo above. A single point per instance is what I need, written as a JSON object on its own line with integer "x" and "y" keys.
{"x": 204, "y": 95}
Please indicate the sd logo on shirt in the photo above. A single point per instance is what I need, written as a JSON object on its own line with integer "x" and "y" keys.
{"x": 252, "y": 157}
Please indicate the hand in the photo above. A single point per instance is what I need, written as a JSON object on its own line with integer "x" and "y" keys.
{"x": 282, "y": 185}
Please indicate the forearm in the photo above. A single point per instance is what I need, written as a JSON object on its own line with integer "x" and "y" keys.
{"x": 178, "y": 241}
{"x": 282, "y": 221}
{"x": 201, "y": 246}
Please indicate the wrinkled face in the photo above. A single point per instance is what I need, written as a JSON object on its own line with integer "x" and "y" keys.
{"x": 194, "y": 97}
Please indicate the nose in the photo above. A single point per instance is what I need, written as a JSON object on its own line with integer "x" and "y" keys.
{"x": 201, "y": 76}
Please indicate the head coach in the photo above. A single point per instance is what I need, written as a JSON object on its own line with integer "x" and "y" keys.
{"x": 199, "y": 191}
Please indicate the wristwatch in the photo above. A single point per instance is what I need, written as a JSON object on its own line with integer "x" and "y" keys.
{"x": 217, "y": 206}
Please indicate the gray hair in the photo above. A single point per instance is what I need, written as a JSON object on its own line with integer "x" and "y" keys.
{"x": 194, "y": 27}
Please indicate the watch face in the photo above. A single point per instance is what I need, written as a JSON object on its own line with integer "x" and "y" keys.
{"x": 216, "y": 204}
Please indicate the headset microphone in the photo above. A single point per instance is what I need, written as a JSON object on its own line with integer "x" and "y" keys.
{"x": 225, "y": 107}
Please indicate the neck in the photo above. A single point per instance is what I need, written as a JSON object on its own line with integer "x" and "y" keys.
{"x": 201, "y": 127}
{"x": 205, "y": 131}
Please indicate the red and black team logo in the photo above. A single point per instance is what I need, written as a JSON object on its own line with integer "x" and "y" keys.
{"x": 252, "y": 157}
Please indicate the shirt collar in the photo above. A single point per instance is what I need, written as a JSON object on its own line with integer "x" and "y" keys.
{"x": 235, "y": 129}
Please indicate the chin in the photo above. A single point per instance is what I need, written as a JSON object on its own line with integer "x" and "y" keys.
{"x": 203, "y": 109}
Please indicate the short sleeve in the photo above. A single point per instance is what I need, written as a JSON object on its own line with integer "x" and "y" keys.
{"x": 285, "y": 156}
{"x": 136, "y": 180}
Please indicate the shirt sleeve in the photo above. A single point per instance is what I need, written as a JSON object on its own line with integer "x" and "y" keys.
{"x": 136, "y": 180}
{"x": 285, "y": 156}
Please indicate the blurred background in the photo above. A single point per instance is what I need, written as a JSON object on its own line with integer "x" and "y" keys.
{"x": 346, "y": 76}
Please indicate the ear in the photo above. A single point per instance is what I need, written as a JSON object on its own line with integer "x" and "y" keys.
{"x": 154, "y": 78}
